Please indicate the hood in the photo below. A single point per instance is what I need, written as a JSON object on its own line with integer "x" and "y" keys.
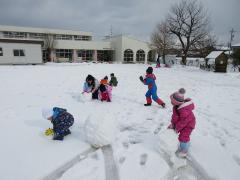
{"x": 187, "y": 105}
{"x": 152, "y": 76}
{"x": 57, "y": 111}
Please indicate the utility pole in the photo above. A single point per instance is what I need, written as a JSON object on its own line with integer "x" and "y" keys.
{"x": 231, "y": 37}
{"x": 111, "y": 31}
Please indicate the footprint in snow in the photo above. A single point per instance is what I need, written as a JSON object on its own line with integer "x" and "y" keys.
{"x": 222, "y": 142}
{"x": 95, "y": 156}
{"x": 143, "y": 159}
{"x": 122, "y": 159}
{"x": 125, "y": 145}
{"x": 237, "y": 159}
{"x": 129, "y": 113}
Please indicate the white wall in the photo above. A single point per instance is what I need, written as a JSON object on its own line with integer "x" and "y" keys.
{"x": 33, "y": 53}
{"x": 121, "y": 43}
{"x": 116, "y": 44}
{"x": 135, "y": 45}
{"x": 89, "y": 45}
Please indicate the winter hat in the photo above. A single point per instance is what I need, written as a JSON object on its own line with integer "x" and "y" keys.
{"x": 89, "y": 77}
{"x": 102, "y": 88}
{"x": 149, "y": 70}
{"x": 105, "y": 77}
{"x": 177, "y": 98}
{"x": 47, "y": 112}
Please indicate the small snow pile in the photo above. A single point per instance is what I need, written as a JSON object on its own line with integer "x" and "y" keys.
{"x": 99, "y": 130}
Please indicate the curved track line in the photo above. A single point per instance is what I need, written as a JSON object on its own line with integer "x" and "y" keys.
{"x": 111, "y": 171}
{"x": 57, "y": 173}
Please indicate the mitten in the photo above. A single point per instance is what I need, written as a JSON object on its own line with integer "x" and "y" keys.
{"x": 141, "y": 78}
{"x": 175, "y": 130}
{"x": 170, "y": 126}
{"x": 49, "y": 132}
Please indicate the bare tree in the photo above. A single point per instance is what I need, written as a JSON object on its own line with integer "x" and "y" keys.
{"x": 49, "y": 45}
{"x": 162, "y": 39}
{"x": 205, "y": 46}
{"x": 188, "y": 20}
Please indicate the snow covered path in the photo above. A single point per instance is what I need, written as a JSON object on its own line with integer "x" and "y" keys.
{"x": 111, "y": 170}
{"x": 137, "y": 153}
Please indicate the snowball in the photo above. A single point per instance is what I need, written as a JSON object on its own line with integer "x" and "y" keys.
{"x": 99, "y": 130}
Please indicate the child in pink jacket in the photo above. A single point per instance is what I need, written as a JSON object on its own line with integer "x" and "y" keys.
{"x": 183, "y": 120}
{"x": 105, "y": 93}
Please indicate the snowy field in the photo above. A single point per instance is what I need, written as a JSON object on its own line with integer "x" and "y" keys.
{"x": 27, "y": 154}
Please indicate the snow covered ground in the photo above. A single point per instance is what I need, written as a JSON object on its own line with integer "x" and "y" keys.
{"x": 26, "y": 153}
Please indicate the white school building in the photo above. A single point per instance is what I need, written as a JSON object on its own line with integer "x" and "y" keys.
{"x": 25, "y": 45}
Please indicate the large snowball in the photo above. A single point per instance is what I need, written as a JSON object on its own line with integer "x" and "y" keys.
{"x": 99, "y": 130}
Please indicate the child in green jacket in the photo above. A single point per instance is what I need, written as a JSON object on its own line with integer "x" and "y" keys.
{"x": 113, "y": 81}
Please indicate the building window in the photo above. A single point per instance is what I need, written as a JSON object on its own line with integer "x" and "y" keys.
{"x": 18, "y": 52}
{"x": 9, "y": 34}
{"x": 82, "y": 38}
{"x": 1, "y": 52}
{"x": 86, "y": 55}
{"x": 36, "y": 35}
{"x": 140, "y": 55}
{"x": 128, "y": 55}
{"x": 62, "y": 37}
{"x": 64, "y": 53}
{"x": 151, "y": 56}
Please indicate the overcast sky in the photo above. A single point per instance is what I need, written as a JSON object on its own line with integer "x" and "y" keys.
{"x": 131, "y": 17}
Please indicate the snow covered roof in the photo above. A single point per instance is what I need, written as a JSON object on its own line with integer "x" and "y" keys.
{"x": 191, "y": 59}
{"x": 43, "y": 30}
{"x": 214, "y": 54}
{"x": 236, "y": 45}
{"x": 211, "y": 61}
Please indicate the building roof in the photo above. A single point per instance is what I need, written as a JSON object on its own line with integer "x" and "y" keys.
{"x": 21, "y": 41}
{"x": 43, "y": 30}
{"x": 214, "y": 54}
{"x": 125, "y": 36}
{"x": 236, "y": 45}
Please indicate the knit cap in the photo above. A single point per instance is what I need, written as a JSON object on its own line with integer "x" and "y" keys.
{"x": 47, "y": 112}
{"x": 149, "y": 70}
{"x": 177, "y": 98}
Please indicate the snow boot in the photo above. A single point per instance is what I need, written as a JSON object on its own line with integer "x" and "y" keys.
{"x": 160, "y": 102}
{"x": 181, "y": 154}
{"x": 149, "y": 101}
{"x": 67, "y": 132}
{"x": 58, "y": 137}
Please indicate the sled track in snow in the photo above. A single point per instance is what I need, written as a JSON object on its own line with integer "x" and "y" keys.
{"x": 111, "y": 171}
{"x": 56, "y": 174}
{"x": 192, "y": 168}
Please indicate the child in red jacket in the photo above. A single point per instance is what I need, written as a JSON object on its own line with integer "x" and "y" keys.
{"x": 183, "y": 120}
{"x": 105, "y": 93}
{"x": 149, "y": 80}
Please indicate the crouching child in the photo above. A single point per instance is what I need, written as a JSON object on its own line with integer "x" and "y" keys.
{"x": 61, "y": 121}
{"x": 105, "y": 93}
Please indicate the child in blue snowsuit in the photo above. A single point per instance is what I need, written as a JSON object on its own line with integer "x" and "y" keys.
{"x": 61, "y": 121}
{"x": 152, "y": 88}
